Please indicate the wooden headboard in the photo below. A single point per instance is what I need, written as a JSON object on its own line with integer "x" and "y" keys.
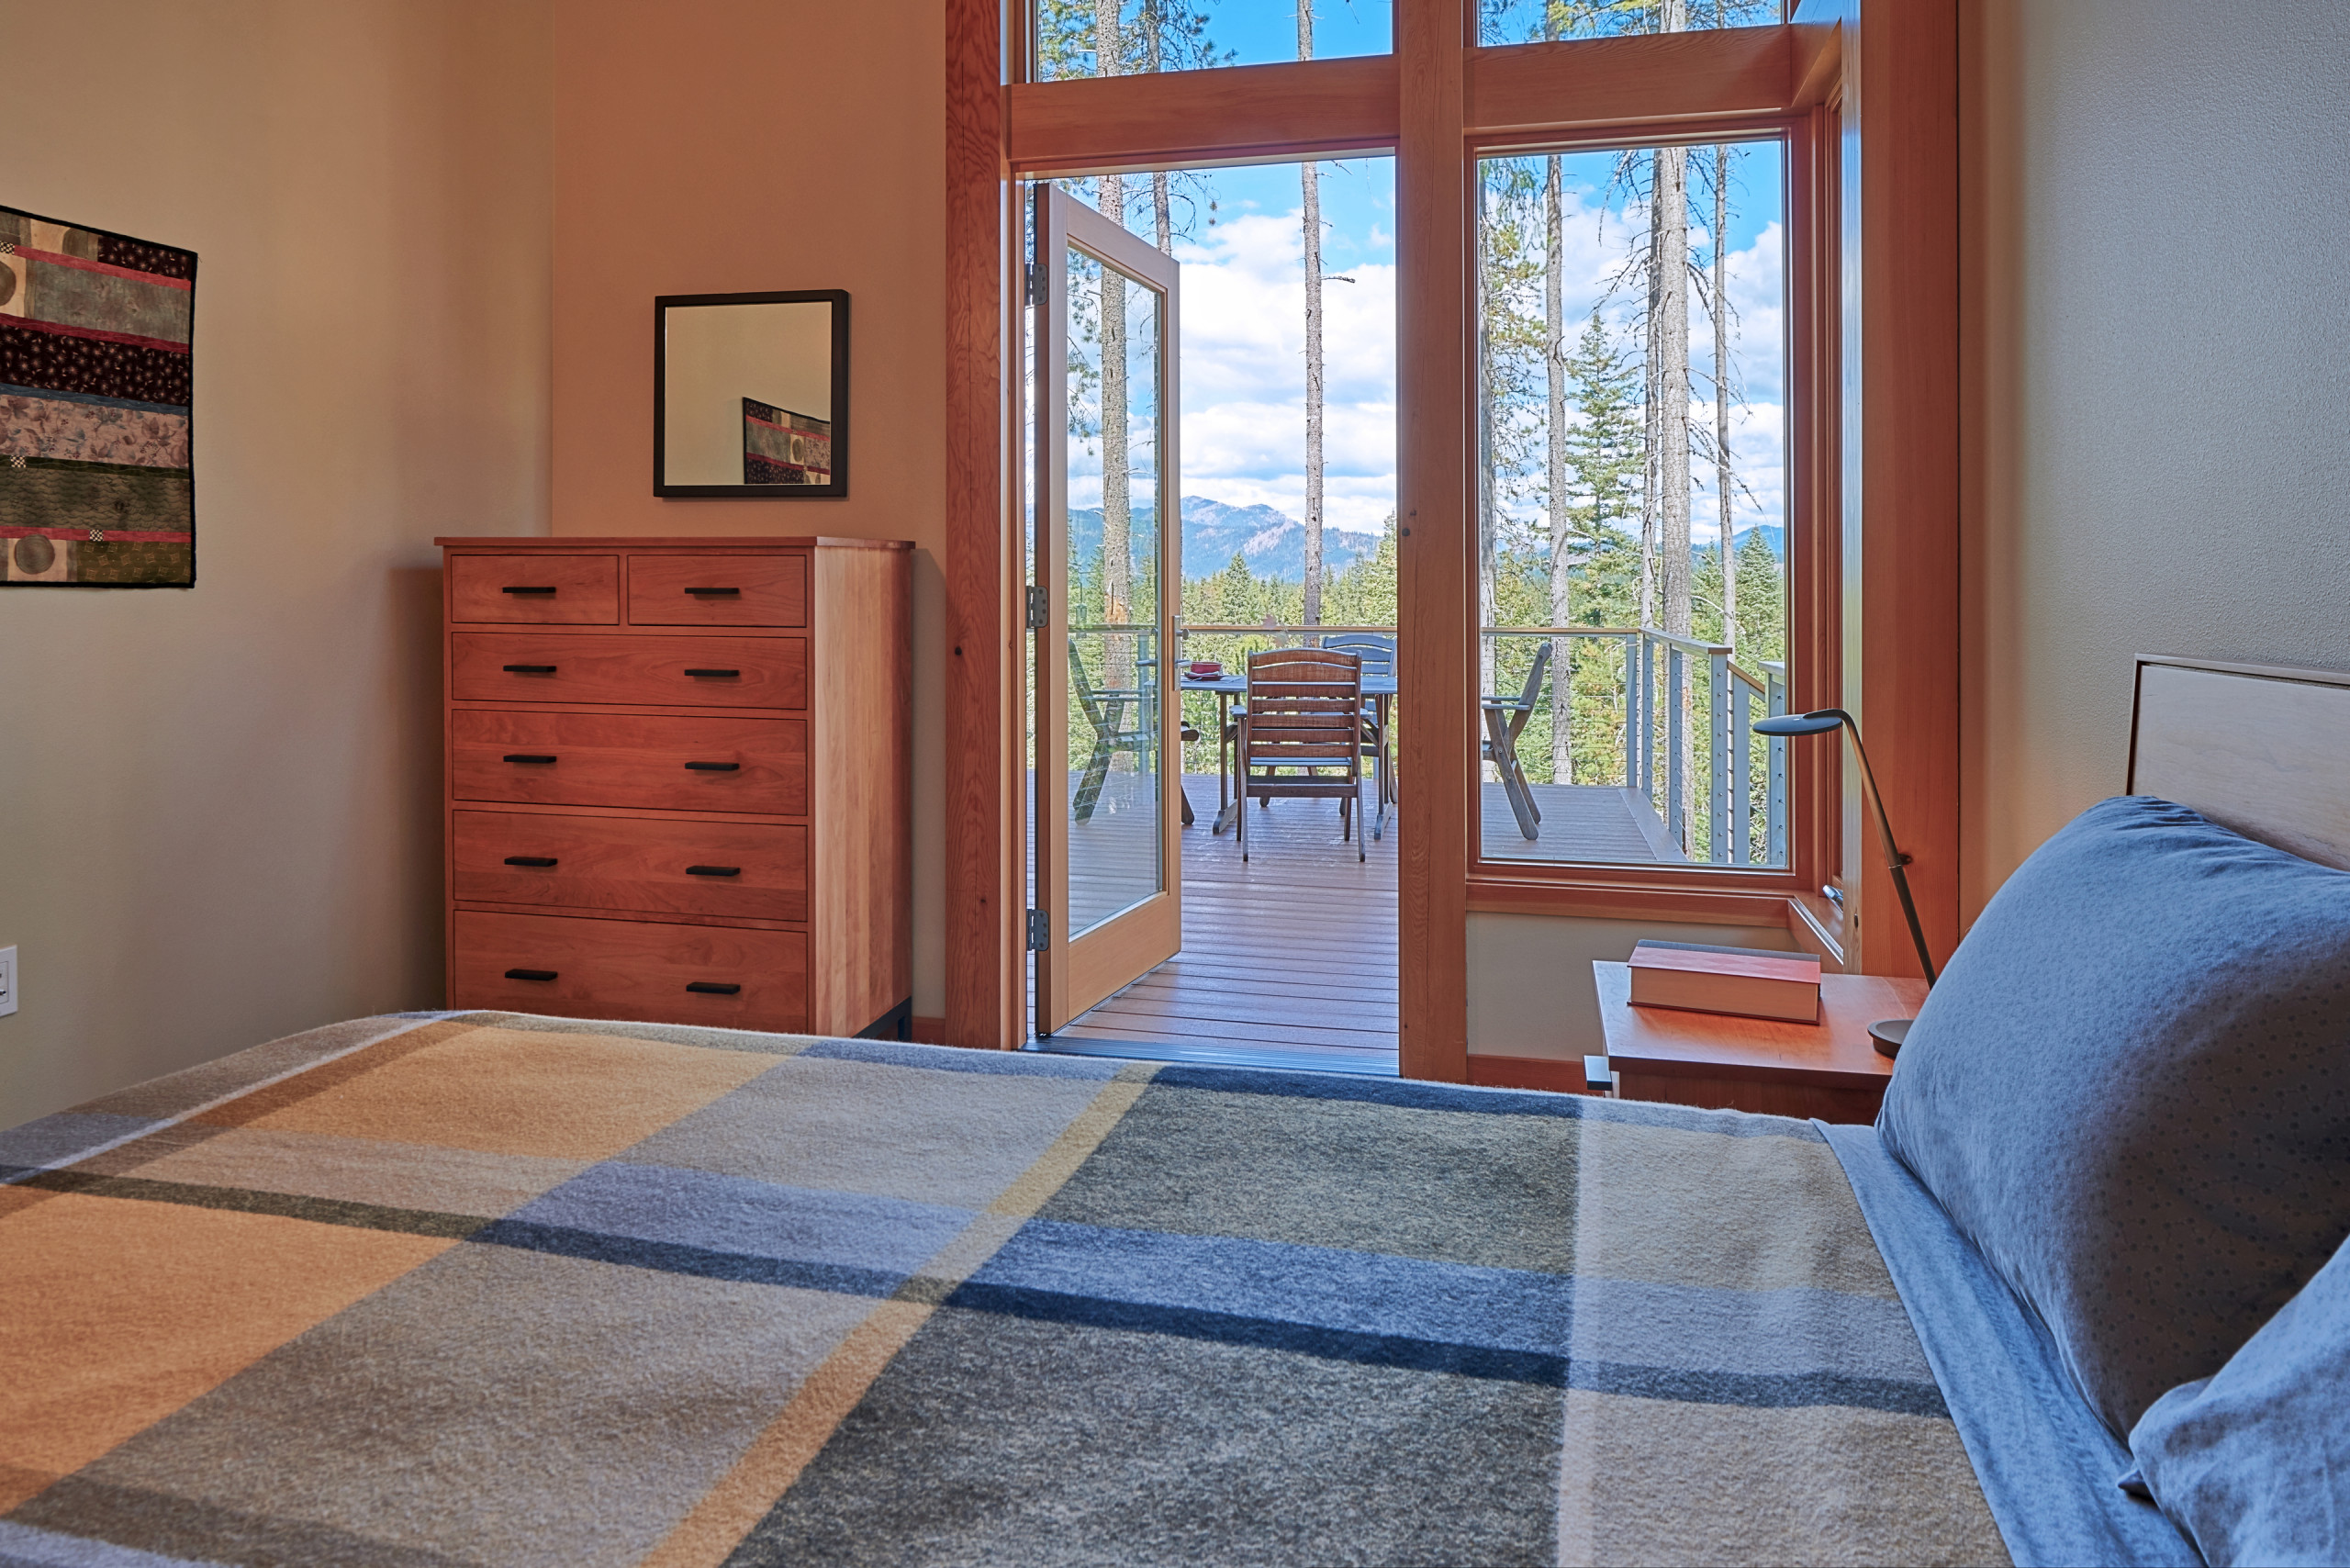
{"x": 2260, "y": 749}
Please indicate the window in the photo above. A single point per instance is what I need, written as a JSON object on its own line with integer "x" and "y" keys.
{"x": 1543, "y": 21}
{"x": 1593, "y": 81}
{"x": 1127, "y": 38}
{"x": 1632, "y": 539}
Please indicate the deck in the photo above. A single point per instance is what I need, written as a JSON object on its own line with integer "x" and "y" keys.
{"x": 1291, "y": 959}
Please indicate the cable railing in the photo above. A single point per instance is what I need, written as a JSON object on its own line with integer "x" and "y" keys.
{"x": 1637, "y": 701}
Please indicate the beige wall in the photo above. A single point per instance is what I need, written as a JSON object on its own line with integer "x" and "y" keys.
{"x": 221, "y": 804}
{"x": 2157, "y": 205}
{"x": 719, "y": 146}
{"x": 1530, "y": 991}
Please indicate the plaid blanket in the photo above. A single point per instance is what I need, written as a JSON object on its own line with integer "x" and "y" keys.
{"x": 502, "y": 1290}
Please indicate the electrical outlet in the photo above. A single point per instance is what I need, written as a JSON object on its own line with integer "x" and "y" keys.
{"x": 7, "y": 981}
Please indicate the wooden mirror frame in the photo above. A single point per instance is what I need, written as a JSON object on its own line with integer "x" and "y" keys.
{"x": 838, "y": 299}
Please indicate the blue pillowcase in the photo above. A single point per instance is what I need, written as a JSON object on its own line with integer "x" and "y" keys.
{"x": 2253, "y": 1463}
{"x": 2131, "y": 1090}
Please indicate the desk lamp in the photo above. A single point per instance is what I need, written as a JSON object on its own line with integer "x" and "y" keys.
{"x": 1888, "y": 1033}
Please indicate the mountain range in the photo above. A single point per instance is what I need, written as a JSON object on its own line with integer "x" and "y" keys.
{"x": 1271, "y": 542}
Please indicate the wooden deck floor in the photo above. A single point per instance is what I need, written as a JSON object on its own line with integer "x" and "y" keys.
{"x": 1594, "y": 823}
{"x": 1289, "y": 960}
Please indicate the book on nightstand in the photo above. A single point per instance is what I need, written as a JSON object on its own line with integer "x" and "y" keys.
{"x": 1749, "y": 982}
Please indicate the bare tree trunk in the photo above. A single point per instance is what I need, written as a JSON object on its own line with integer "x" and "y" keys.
{"x": 1669, "y": 338}
{"x": 1309, "y": 177}
{"x": 1651, "y": 404}
{"x": 1722, "y": 474}
{"x": 1488, "y": 563}
{"x": 1554, "y": 344}
{"x": 1668, "y": 354}
{"x": 1117, "y": 510}
{"x": 1154, "y": 23}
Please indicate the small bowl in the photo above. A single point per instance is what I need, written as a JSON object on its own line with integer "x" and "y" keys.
{"x": 1205, "y": 669}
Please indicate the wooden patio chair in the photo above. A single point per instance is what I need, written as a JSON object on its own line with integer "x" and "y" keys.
{"x": 1506, "y": 717}
{"x": 1378, "y": 652}
{"x": 1105, "y": 710}
{"x": 1301, "y": 732}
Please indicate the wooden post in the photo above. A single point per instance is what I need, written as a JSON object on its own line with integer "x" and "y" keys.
{"x": 1435, "y": 590}
{"x": 987, "y": 992}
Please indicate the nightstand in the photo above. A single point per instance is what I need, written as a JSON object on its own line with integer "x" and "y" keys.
{"x": 1827, "y": 1069}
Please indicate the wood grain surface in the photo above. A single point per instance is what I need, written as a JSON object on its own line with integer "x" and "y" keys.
{"x": 769, "y": 591}
{"x": 630, "y": 760}
{"x": 1834, "y": 1053}
{"x": 863, "y": 779}
{"x": 586, "y": 589}
{"x": 626, "y": 969}
{"x": 637, "y": 864}
{"x": 770, "y": 672}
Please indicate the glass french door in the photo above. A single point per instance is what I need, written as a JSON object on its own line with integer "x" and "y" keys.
{"x": 1109, "y": 770}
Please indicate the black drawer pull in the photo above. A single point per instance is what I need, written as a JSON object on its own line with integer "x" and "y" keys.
{"x": 530, "y": 974}
{"x": 713, "y": 870}
{"x": 526, "y": 756}
{"x": 715, "y": 674}
{"x": 529, "y": 860}
{"x": 716, "y": 593}
{"x": 530, "y": 669}
{"x": 708, "y": 767}
{"x": 713, "y": 988}
{"x": 526, "y": 590}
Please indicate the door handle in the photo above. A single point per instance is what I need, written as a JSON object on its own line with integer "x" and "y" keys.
{"x": 526, "y": 590}
{"x": 707, "y": 767}
{"x": 713, "y": 988}
{"x": 706, "y": 870}
{"x": 531, "y": 974}
{"x": 529, "y": 860}
{"x": 708, "y": 592}
{"x": 715, "y": 674}
{"x": 530, "y": 669}
{"x": 526, "y": 756}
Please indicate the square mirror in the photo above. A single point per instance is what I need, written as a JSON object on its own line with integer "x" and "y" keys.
{"x": 750, "y": 393}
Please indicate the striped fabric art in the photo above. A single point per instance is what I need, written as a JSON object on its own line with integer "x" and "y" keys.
{"x": 489, "y": 1289}
{"x": 97, "y": 485}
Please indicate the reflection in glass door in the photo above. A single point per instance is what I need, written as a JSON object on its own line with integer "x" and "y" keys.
{"x": 1107, "y": 855}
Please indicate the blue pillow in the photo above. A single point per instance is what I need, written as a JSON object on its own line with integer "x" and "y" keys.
{"x": 2253, "y": 1463}
{"x": 2131, "y": 1090}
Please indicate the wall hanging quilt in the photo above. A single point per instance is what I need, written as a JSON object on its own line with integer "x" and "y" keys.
{"x": 97, "y": 486}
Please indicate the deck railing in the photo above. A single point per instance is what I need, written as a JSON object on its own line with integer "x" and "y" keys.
{"x": 1724, "y": 803}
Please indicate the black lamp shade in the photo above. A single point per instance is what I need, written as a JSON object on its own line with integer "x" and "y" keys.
{"x": 1798, "y": 723}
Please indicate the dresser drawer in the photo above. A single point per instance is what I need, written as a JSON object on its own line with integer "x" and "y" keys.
{"x": 546, "y": 590}
{"x": 718, "y": 590}
{"x": 751, "y": 871}
{"x": 612, "y": 759}
{"x": 581, "y": 666}
{"x": 634, "y": 969}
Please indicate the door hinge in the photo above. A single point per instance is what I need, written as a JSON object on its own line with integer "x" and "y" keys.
{"x": 1040, "y": 930}
{"x": 1040, "y": 607}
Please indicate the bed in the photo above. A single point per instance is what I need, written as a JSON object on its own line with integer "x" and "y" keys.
{"x": 488, "y": 1288}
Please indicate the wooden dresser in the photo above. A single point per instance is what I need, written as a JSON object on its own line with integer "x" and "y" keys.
{"x": 677, "y": 784}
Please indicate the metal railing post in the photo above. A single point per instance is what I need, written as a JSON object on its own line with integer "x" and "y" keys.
{"x": 1718, "y": 700}
{"x": 1676, "y": 723}
{"x": 1741, "y": 771}
{"x": 1648, "y": 717}
{"x": 1777, "y": 805}
{"x": 1632, "y": 709}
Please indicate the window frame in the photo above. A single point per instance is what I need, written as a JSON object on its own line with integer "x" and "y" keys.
{"x": 1437, "y": 102}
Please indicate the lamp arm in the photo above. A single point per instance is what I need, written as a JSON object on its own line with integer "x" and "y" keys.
{"x": 1896, "y": 862}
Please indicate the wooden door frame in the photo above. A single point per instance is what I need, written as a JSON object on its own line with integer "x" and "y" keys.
{"x": 1892, "y": 638}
